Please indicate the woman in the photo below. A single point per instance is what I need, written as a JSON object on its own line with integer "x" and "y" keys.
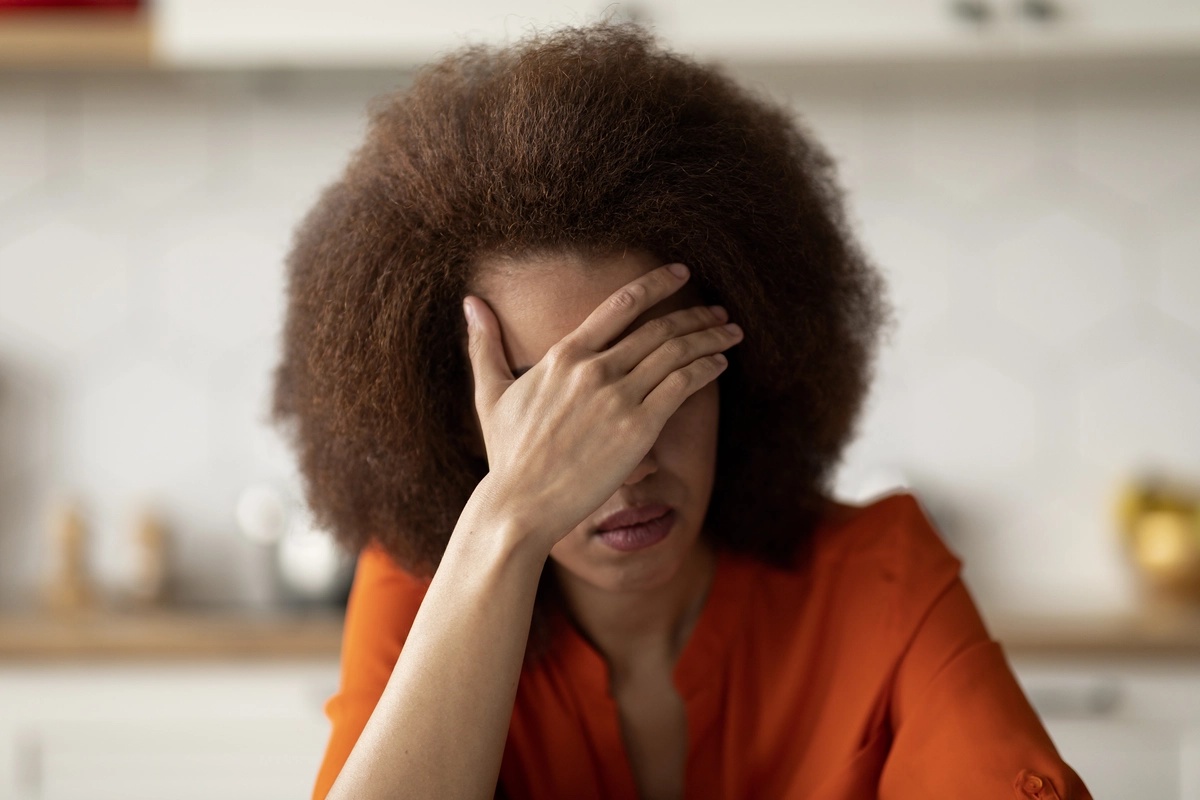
{"x": 643, "y": 587}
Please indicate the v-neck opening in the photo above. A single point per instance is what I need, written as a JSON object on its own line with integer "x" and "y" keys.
{"x": 710, "y": 638}
{"x": 704, "y": 654}
{"x": 697, "y": 675}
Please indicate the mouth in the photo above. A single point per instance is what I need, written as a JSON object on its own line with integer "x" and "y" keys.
{"x": 637, "y": 528}
{"x": 635, "y": 515}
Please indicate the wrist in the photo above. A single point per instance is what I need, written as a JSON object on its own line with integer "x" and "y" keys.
{"x": 495, "y": 522}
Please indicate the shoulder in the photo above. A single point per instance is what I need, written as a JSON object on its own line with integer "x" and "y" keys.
{"x": 893, "y": 525}
{"x": 891, "y": 537}
{"x": 384, "y": 599}
{"x": 377, "y": 568}
{"x": 382, "y": 588}
{"x": 876, "y": 562}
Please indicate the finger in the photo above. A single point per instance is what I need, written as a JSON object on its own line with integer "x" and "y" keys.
{"x": 609, "y": 319}
{"x": 486, "y": 351}
{"x": 625, "y": 356}
{"x": 678, "y": 353}
{"x": 678, "y": 386}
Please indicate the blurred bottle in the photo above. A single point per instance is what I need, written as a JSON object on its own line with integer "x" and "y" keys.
{"x": 68, "y": 588}
{"x": 150, "y": 576}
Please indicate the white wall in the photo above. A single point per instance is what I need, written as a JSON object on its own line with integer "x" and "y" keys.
{"x": 1038, "y": 225}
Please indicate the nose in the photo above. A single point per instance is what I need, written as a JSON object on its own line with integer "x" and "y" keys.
{"x": 647, "y": 466}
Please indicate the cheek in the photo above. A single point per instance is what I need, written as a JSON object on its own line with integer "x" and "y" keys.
{"x": 686, "y": 448}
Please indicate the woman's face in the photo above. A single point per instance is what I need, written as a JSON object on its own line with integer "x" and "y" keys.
{"x": 538, "y": 301}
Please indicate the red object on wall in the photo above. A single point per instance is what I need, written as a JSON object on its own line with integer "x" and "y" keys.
{"x": 97, "y": 5}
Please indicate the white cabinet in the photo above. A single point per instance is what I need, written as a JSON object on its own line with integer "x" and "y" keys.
{"x": 147, "y": 731}
{"x": 1129, "y": 727}
{"x": 1123, "y": 759}
{"x": 808, "y": 30}
{"x": 382, "y": 33}
{"x": 153, "y": 731}
{"x": 1176, "y": 19}
{"x": 349, "y": 32}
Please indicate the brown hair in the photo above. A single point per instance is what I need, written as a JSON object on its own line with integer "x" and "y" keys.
{"x": 588, "y": 139}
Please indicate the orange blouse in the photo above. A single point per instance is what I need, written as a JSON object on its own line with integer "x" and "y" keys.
{"x": 866, "y": 674}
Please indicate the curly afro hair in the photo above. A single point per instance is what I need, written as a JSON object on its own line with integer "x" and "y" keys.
{"x": 586, "y": 140}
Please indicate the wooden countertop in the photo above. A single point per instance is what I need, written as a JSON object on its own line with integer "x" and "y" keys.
{"x": 73, "y": 38}
{"x": 170, "y": 635}
{"x": 188, "y": 635}
{"x": 1156, "y": 634}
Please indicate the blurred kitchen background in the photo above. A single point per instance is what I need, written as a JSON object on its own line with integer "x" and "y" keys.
{"x": 1025, "y": 172}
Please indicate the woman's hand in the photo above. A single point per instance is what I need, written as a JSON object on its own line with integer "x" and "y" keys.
{"x": 562, "y": 438}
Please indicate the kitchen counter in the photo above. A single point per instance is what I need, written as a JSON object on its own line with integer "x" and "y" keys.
{"x": 170, "y": 635}
{"x": 189, "y": 635}
{"x": 1173, "y": 634}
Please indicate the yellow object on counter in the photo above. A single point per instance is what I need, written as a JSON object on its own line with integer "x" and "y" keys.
{"x": 1160, "y": 522}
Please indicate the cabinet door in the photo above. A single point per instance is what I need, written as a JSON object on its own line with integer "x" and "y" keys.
{"x": 119, "y": 760}
{"x": 349, "y": 32}
{"x": 865, "y": 30}
{"x": 1145, "y": 25}
{"x": 384, "y": 33}
{"x": 1130, "y": 728}
{"x": 1120, "y": 760}
{"x": 163, "y": 731}
{"x": 807, "y": 29}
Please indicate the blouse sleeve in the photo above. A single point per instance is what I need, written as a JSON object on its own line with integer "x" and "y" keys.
{"x": 962, "y": 726}
{"x": 379, "y": 614}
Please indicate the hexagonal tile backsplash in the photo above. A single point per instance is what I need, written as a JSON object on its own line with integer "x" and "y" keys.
{"x": 1040, "y": 239}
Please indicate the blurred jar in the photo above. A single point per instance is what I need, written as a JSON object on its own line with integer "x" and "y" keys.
{"x": 1160, "y": 525}
{"x": 303, "y": 564}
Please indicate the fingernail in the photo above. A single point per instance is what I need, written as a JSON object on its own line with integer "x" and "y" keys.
{"x": 678, "y": 270}
{"x": 469, "y": 313}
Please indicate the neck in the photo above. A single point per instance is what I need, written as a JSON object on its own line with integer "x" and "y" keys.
{"x": 640, "y": 627}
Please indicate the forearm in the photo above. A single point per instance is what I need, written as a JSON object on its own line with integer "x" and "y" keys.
{"x": 440, "y": 725}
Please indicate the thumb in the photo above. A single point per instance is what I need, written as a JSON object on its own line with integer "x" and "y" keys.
{"x": 484, "y": 348}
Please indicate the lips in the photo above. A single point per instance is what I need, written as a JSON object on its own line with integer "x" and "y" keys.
{"x": 632, "y": 516}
